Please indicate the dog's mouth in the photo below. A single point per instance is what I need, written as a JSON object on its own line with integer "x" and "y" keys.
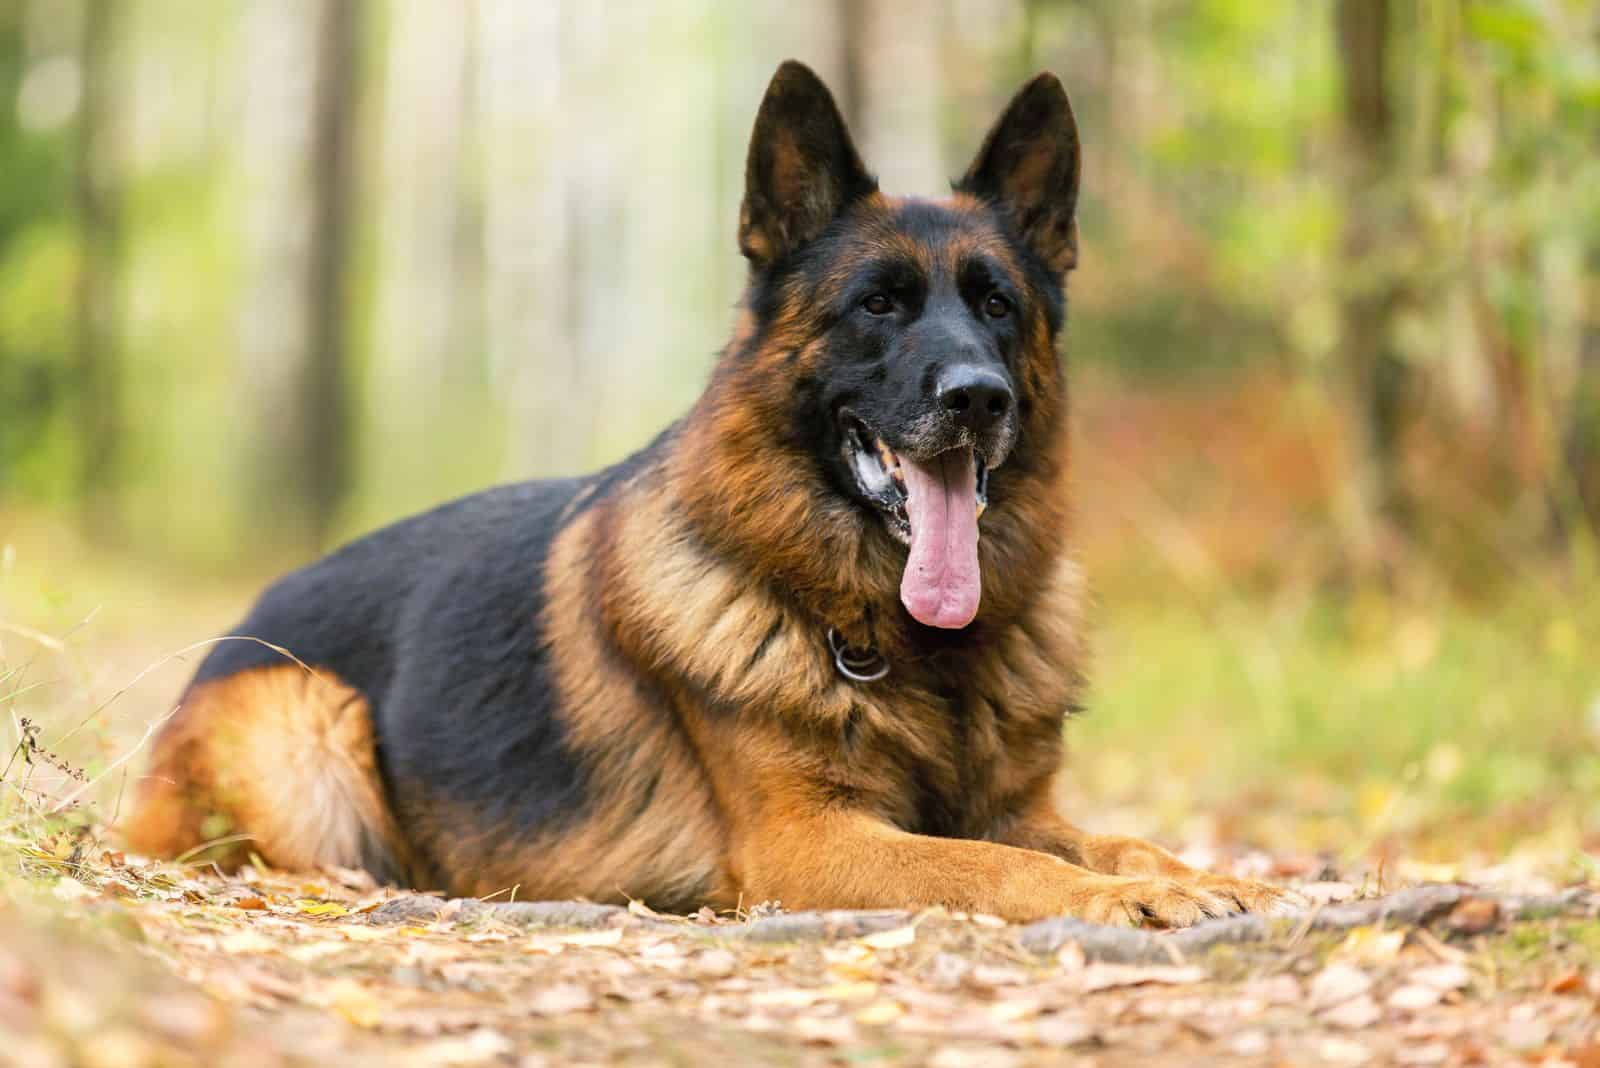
{"x": 933, "y": 506}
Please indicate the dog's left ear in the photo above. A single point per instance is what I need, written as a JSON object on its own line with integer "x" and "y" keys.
{"x": 803, "y": 169}
{"x": 1028, "y": 167}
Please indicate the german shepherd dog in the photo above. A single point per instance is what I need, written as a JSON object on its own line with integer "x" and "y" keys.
{"x": 815, "y": 644}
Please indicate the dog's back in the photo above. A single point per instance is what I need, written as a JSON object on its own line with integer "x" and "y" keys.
{"x": 290, "y": 756}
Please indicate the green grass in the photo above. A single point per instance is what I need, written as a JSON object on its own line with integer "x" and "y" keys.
{"x": 1333, "y": 722}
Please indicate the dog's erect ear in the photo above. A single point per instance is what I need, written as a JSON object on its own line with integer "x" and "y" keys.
{"x": 1028, "y": 167}
{"x": 802, "y": 171}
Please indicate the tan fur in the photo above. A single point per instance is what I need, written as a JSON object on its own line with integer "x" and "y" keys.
{"x": 281, "y": 755}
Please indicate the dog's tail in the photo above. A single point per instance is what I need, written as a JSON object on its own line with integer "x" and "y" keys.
{"x": 275, "y": 761}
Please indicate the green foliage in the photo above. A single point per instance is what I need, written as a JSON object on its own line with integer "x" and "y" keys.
{"x": 1215, "y": 216}
{"x": 1366, "y": 711}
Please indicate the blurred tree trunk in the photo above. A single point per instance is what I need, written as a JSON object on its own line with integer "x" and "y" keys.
{"x": 426, "y": 369}
{"x": 1581, "y": 444}
{"x": 854, "y": 54}
{"x": 302, "y": 89}
{"x": 1375, "y": 371}
{"x": 325, "y": 455}
{"x": 98, "y": 350}
{"x": 1583, "y": 424}
{"x": 529, "y": 186}
{"x": 891, "y": 92}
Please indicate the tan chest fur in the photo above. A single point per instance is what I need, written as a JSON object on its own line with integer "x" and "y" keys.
{"x": 705, "y": 701}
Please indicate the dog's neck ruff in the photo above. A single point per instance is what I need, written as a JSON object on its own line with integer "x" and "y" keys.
{"x": 856, "y": 663}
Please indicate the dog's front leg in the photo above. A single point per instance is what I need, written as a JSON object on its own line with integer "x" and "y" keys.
{"x": 1040, "y": 826}
{"x": 844, "y": 859}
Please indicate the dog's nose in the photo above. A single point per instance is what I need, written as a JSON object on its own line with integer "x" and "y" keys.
{"x": 977, "y": 397}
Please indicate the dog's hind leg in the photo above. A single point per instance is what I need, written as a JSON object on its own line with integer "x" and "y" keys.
{"x": 277, "y": 761}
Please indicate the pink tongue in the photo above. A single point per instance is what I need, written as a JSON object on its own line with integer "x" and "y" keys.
{"x": 940, "y": 587}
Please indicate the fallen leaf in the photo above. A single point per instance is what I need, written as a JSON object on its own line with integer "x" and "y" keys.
{"x": 958, "y": 1057}
{"x": 1250, "y": 1044}
{"x": 1526, "y": 1033}
{"x": 847, "y": 991}
{"x": 785, "y": 997}
{"x": 352, "y": 878}
{"x": 1294, "y": 867}
{"x": 246, "y": 941}
{"x": 249, "y": 904}
{"x": 69, "y": 889}
{"x": 1412, "y": 997}
{"x": 355, "y": 1002}
{"x": 1585, "y": 1056}
{"x": 716, "y": 964}
{"x": 307, "y": 952}
{"x": 560, "y": 999}
{"x": 1354, "y": 1015}
{"x": 609, "y": 936}
{"x": 894, "y": 938}
{"x": 1106, "y": 976}
{"x": 476, "y": 1047}
{"x": 991, "y": 976}
{"x": 947, "y": 971}
{"x": 1338, "y": 983}
{"x": 187, "y": 1018}
{"x": 1569, "y": 983}
{"x": 824, "y": 1030}
{"x": 1343, "y": 1051}
{"x": 1071, "y": 957}
{"x": 1063, "y": 1029}
{"x": 1370, "y": 945}
{"x": 1442, "y": 977}
{"x": 880, "y": 1013}
{"x": 639, "y": 908}
{"x": 1473, "y": 916}
{"x": 1011, "y": 1009}
{"x": 320, "y": 908}
{"x": 852, "y": 961}
{"x": 1275, "y": 990}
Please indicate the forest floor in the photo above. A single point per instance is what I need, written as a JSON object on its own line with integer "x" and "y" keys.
{"x": 108, "y": 961}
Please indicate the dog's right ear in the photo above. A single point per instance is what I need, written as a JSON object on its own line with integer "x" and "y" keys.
{"x": 803, "y": 169}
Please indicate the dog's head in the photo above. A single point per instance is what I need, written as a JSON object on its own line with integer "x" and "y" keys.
{"x": 918, "y": 336}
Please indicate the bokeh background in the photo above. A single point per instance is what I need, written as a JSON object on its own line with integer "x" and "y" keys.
{"x": 275, "y": 272}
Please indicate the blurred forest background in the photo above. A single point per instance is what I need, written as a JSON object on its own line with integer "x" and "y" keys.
{"x": 277, "y": 271}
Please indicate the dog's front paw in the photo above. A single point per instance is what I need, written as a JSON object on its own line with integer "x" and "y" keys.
{"x": 1252, "y": 896}
{"x": 1159, "y": 901}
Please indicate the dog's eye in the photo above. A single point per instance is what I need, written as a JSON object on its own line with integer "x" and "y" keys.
{"x": 878, "y": 304}
{"x": 996, "y": 307}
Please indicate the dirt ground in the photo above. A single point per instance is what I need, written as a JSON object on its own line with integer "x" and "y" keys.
{"x": 108, "y": 960}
